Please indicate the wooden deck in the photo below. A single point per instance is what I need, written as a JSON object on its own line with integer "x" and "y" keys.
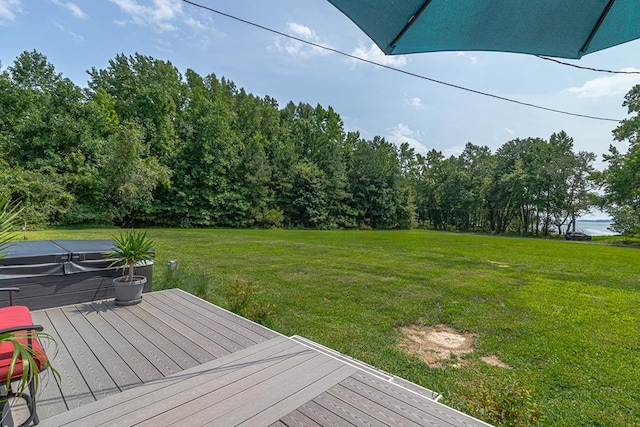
{"x": 177, "y": 360}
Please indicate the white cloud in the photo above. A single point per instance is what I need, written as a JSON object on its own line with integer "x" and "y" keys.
{"x": 74, "y": 8}
{"x": 374, "y": 54}
{"x": 160, "y": 15}
{"x": 509, "y": 131}
{"x": 615, "y": 85}
{"x": 8, "y": 9}
{"x": 472, "y": 58}
{"x": 194, "y": 23}
{"x": 416, "y": 102}
{"x": 401, "y": 133}
{"x": 299, "y": 48}
{"x": 167, "y": 16}
{"x": 76, "y": 37}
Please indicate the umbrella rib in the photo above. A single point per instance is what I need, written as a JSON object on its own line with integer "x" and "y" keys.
{"x": 413, "y": 19}
{"x": 605, "y": 12}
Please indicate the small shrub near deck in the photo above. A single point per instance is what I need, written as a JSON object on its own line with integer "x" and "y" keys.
{"x": 506, "y": 405}
{"x": 241, "y": 299}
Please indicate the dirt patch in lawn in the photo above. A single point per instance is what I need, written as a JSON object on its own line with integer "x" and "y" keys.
{"x": 438, "y": 346}
{"x": 441, "y": 346}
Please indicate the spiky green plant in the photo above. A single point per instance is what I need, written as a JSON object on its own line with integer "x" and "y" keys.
{"x": 129, "y": 249}
{"x": 29, "y": 358}
{"x": 8, "y": 218}
{"x": 22, "y": 351}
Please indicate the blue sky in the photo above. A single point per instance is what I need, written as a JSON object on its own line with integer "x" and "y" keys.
{"x": 80, "y": 34}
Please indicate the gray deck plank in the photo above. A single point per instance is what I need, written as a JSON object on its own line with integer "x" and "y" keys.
{"x": 398, "y": 397}
{"x": 235, "y": 328}
{"x": 202, "y": 329}
{"x": 298, "y": 419}
{"x": 211, "y": 319}
{"x": 118, "y": 370}
{"x": 248, "y": 328}
{"x": 184, "y": 324}
{"x": 349, "y": 412}
{"x": 211, "y": 404}
{"x": 429, "y": 413}
{"x": 166, "y": 326}
{"x": 75, "y": 390}
{"x": 174, "y": 330}
{"x": 375, "y": 410}
{"x": 150, "y": 399}
{"x": 160, "y": 334}
{"x": 278, "y": 424}
{"x": 206, "y": 393}
{"x": 243, "y": 407}
{"x": 324, "y": 417}
{"x": 160, "y": 361}
{"x": 301, "y": 394}
{"x": 90, "y": 367}
{"x": 143, "y": 368}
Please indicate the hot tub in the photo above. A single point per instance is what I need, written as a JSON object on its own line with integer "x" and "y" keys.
{"x": 53, "y": 273}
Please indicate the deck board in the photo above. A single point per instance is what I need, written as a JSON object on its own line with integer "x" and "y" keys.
{"x": 403, "y": 401}
{"x": 175, "y": 359}
{"x": 95, "y": 375}
{"x": 391, "y": 404}
{"x": 348, "y": 412}
{"x": 377, "y": 411}
{"x": 116, "y": 368}
{"x": 201, "y": 327}
{"x": 221, "y": 403}
{"x": 119, "y": 343}
{"x": 137, "y": 338}
{"x": 160, "y": 335}
{"x": 322, "y": 415}
{"x": 151, "y": 399}
{"x": 249, "y": 329}
{"x": 75, "y": 390}
{"x": 298, "y": 419}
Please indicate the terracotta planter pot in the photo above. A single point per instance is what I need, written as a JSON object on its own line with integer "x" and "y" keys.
{"x": 129, "y": 293}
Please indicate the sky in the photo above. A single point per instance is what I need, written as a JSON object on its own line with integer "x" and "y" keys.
{"x": 81, "y": 34}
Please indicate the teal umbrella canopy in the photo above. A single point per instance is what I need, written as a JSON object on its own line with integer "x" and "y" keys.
{"x": 559, "y": 28}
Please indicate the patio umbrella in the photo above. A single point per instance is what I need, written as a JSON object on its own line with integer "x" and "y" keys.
{"x": 560, "y": 28}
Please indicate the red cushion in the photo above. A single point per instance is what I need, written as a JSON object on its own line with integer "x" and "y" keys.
{"x": 11, "y": 317}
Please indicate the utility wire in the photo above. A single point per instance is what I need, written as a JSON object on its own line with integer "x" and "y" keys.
{"x": 599, "y": 70}
{"x": 490, "y": 95}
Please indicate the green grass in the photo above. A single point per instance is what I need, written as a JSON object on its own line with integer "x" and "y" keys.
{"x": 564, "y": 315}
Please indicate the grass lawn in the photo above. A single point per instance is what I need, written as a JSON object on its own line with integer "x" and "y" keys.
{"x": 564, "y": 315}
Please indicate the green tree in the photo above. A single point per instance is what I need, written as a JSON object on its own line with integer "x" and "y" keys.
{"x": 621, "y": 179}
{"x": 130, "y": 174}
{"x": 625, "y": 221}
{"x": 205, "y": 156}
{"x": 374, "y": 173}
{"x": 317, "y": 135}
{"x": 47, "y": 141}
{"x": 146, "y": 91}
{"x": 480, "y": 163}
{"x": 307, "y": 206}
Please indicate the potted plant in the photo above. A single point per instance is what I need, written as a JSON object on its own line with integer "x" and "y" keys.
{"x": 130, "y": 249}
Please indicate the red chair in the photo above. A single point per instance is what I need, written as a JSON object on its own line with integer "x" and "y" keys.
{"x": 16, "y": 321}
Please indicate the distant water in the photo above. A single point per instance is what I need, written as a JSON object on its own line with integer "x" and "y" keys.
{"x": 595, "y": 228}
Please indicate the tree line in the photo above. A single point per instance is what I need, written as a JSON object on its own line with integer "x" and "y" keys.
{"x": 143, "y": 144}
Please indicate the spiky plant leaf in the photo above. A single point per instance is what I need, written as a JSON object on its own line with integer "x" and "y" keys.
{"x": 131, "y": 248}
{"x": 8, "y": 217}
